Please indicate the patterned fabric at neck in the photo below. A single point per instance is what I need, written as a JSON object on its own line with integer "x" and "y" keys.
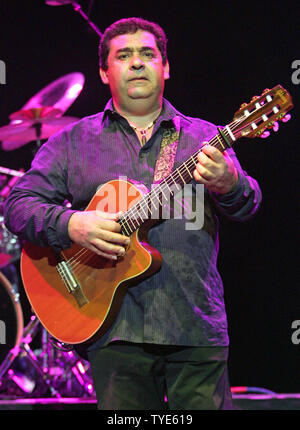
{"x": 165, "y": 161}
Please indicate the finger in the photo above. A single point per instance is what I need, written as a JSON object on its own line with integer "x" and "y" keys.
{"x": 204, "y": 172}
{"x": 102, "y": 254}
{"x": 107, "y": 247}
{"x": 112, "y": 237}
{"x": 212, "y": 153}
{"x": 207, "y": 162}
{"x": 199, "y": 178}
{"x": 108, "y": 225}
{"x": 114, "y": 216}
{"x": 203, "y": 158}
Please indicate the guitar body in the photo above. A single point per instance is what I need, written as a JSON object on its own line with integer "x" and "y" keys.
{"x": 103, "y": 282}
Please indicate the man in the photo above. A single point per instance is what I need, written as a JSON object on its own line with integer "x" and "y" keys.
{"x": 168, "y": 346}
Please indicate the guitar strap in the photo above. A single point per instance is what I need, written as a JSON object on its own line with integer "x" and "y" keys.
{"x": 165, "y": 162}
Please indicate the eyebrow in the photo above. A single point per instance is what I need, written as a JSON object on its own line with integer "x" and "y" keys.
{"x": 128, "y": 49}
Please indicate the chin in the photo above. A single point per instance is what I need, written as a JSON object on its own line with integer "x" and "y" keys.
{"x": 139, "y": 94}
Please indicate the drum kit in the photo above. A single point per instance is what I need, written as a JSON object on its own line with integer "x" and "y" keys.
{"x": 32, "y": 364}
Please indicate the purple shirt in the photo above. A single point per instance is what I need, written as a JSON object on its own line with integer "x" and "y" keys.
{"x": 183, "y": 303}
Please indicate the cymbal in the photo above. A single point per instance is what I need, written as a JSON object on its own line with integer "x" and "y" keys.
{"x": 59, "y": 94}
{"x": 14, "y": 136}
{"x": 35, "y": 114}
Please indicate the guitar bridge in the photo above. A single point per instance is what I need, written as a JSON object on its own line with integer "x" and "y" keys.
{"x": 71, "y": 283}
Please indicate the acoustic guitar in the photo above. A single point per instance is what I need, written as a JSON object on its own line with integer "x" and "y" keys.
{"x": 77, "y": 294}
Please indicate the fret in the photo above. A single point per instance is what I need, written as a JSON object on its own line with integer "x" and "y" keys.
{"x": 140, "y": 212}
{"x": 134, "y": 215}
{"x": 223, "y": 147}
{"x": 132, "y": 227}
{"x": 193, "y": 159}
{"x": 181, "y": 177}
{"x": 143, "y": 211}
{"x": 171, "y": 176}
{"x": 166, "y": 183}
{"x": 123, "y": 225}
{"x": 152, "y": 203}
{"x": 187, "y": 170}
{"x": 162, "y": 191}
{"x": 160, "y": 195}
{"x": 156, "y": 196}
{"x": 133, "y": 222}
{"x": 148, "y": 205}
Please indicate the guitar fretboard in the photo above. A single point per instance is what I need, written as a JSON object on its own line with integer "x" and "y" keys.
{"x": 148, "y": 207}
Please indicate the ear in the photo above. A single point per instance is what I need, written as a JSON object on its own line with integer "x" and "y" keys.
{"x": 167, "y": 70}
{"x": 103, "y": 75}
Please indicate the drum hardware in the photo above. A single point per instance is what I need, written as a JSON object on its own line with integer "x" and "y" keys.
{"x": 10, "y": 247}
{"x": 51, "y": 369}
{"x": 66, "y": 353}
{"x": 55, "y": 372}
{"x": 77, "y": 7}
{"x": 23, "y": 346}
{"x": 34, "y": 362}
{"x": 11, "y": 172}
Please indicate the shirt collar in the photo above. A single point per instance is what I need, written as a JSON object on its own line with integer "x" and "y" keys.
{"x": 168, "y": 111}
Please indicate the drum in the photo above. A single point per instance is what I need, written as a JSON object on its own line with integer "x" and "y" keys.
{"x": 11, "y": 317}
{"x": 10, "y": 247}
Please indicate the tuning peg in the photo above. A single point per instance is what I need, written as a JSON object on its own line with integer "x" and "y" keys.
{"x": 265, "y": 134}
{"x": 286, "y": 118}
{"x": 266, "y": 90}
{"x": 243, "y": 105}
{"x": 254, "y": 98}
{"x": 270, "y": 125}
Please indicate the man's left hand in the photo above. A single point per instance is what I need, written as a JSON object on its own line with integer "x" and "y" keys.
{"x": 216, "y": 170}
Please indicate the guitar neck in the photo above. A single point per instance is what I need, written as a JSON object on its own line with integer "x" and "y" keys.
{"x": 149, "y": 206}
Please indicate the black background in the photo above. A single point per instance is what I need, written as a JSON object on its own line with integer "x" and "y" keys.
{"x": 220, "y": 54}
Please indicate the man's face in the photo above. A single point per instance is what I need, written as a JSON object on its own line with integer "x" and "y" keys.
{"x": 135, "y": 69}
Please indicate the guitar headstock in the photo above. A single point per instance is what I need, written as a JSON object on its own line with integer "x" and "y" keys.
{"x": 252, "y": 119}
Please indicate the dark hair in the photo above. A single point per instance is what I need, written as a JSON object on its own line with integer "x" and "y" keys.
{"x": 131, "y": 26}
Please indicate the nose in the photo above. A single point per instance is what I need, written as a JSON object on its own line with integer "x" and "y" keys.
{"x": 136, "y": 62}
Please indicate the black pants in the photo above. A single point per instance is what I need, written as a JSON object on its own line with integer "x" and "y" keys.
{"x": 157, "y": 377}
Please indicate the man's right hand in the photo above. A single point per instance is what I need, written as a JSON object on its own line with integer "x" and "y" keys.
{"x": 99, "y": 232}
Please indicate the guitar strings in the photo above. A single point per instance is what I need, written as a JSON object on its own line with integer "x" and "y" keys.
{"x": 171, "y": 180}
{"x": 75, "y": 260}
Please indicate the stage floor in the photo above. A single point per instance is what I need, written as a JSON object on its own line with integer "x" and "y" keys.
{"x": 241, "y": 402}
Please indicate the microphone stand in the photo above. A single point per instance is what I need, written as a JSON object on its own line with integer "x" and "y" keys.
{"x": 78, "y": 9}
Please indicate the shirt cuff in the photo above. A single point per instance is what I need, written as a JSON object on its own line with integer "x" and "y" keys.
{"x": 59, "y": 238}
{"x": 233, "y": 196}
